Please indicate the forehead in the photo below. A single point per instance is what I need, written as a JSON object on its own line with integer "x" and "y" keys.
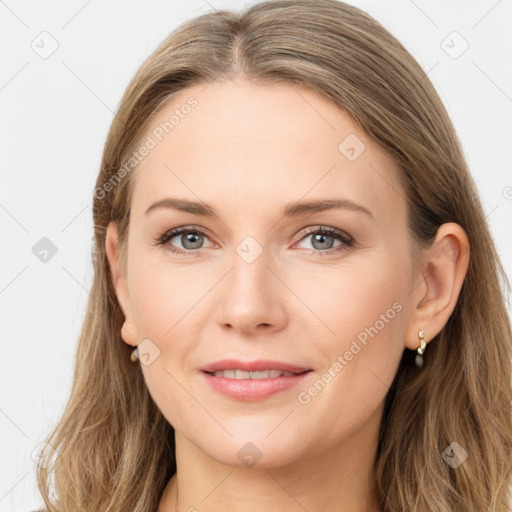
{"x": 242, "y": 144}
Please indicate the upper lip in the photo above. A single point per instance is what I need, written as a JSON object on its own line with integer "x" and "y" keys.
{"x": 253, "y": 366}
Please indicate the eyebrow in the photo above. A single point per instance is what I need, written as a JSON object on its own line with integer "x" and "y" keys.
{"x": 295, "y": 209}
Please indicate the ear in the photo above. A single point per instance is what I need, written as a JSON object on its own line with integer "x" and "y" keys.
{"x": 441, "y": 274}
{"x": 119, "y": 281}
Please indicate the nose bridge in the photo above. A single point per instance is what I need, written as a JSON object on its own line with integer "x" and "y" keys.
{"x": 250, "y": 277}
{"x": 250, "y": 294}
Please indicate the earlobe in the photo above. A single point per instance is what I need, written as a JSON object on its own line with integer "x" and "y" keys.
{"x": 443, "y": 270}
{"x": 119, "y": 282}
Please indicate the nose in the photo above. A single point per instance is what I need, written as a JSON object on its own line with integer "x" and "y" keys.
{"x": 253, "y": 298}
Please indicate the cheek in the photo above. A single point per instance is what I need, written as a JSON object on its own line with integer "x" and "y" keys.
{"x": 366, "y": 316}
{"x": 352, "y": 298}
{"x": 164, "y": 297}
{"x": 363, "y": 318}
{"x": 171, "y": 307}
{"x": 165, "y": 304}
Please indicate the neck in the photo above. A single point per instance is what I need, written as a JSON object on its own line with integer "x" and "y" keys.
{"x": 337, "y": 479}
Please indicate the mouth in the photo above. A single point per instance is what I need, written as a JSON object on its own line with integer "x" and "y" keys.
{"x": 245, "y": 368}
{"x": 255, "y": 375}
{"x": 254, "y": 380}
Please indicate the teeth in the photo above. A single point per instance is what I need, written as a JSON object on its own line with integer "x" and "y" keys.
{"x": 240, "y": 374}
{"x": 243, "y": 375}
{"x": 270, "y": 374}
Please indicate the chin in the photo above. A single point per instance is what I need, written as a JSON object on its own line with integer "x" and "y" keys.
{"x": 253, "y": 451}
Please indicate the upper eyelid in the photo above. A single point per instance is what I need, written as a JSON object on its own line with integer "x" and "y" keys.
{"x": 184, "y": 229}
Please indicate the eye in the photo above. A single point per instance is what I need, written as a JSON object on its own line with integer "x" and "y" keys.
{"x": 190, "y": 239}
{"x": 323, "y": 239}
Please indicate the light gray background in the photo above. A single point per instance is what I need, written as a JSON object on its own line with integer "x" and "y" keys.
{"x": 55, "y": 113}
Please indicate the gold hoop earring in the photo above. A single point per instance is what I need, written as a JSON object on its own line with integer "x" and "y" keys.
{"x": 134, "y": 356}
{"x": 420, "y": 349}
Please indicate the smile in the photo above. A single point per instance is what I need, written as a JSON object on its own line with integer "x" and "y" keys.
{"x": 253, "y": 385}
{"x": 244, "y": 375}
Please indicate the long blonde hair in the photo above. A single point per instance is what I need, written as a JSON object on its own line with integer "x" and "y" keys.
{"x": 115, "y": 448}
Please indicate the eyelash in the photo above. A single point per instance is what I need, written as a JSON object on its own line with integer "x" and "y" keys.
{"x": 346, "y": 239}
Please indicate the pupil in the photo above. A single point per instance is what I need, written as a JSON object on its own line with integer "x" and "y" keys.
{"x": 320, "y": 238}
{"x": 189, "y": 238}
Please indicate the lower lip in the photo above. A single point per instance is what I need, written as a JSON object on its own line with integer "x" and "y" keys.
{"x": 253, "y": 389}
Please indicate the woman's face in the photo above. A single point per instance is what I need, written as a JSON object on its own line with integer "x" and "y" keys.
{"x": 251, "y": 171}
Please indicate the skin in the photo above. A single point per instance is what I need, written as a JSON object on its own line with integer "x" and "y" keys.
{"x": 248, "y": 150}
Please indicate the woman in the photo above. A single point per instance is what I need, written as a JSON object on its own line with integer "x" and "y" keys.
{"x": 288, "y": 235}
